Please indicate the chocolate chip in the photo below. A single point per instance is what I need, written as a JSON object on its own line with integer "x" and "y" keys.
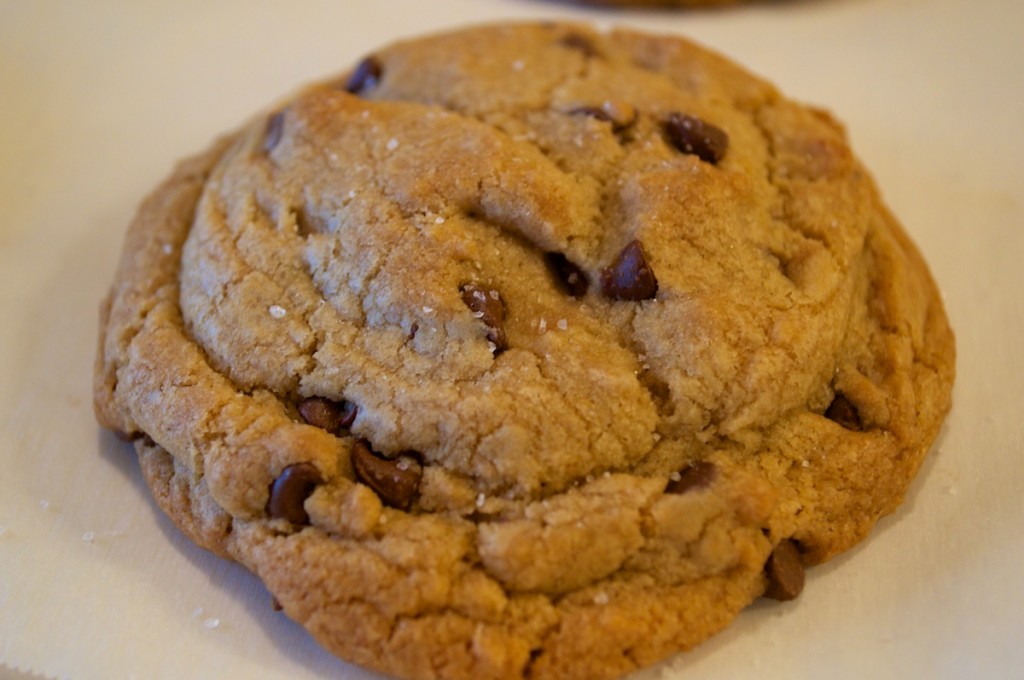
{"x": 275, "y": 604}
{"x": 692, "y": 135}
{"x": 333, "y": 416}
{"x": 785, "y": 572}
{"x": 575, "y": 41}
{"x": 694, "y": 476}
{"x": 273, "y": 132}
{"x": 290, "y": 490}
{"x": 365, "y": 76}
{"x": 487, "y": 306}
{"x": 620, "y": 114}
{"x": 572, "y": 278}
{"x": 396, "y": 481}
{"x": 843, "y": 412}
{"x": 629, "y": 277}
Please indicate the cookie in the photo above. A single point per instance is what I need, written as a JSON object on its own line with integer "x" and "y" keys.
{"x": 525, "y": 351}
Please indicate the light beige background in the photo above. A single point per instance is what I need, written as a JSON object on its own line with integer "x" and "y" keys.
{"x": 98, "y": 99}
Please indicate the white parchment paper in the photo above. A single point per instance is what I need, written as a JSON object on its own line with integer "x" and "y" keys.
{"x": 97, "y": 100}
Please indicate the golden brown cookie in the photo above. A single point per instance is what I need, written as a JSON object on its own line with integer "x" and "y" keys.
{"x": 525, "y": 351}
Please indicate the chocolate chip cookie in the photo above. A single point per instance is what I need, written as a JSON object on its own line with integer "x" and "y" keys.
{"x": 525, "y": 351}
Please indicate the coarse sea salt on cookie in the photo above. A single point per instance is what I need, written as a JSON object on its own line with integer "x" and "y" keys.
{"x": 525, "y": 351}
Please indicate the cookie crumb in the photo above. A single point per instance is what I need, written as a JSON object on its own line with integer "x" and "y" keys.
{"x": 277, "y": 311}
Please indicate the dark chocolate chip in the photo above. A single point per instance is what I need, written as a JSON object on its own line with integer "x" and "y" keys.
{"x": 629, "y": 277}
{"x": 273, "y": 132}
{"x": 365, "y": 76}
{"x": 396, "y": 481}
{"x": 843, "y": 412}
{"x": 692, "y": 135}
{"x": 572, "y": 278}
{"x": 575, "y": 41}
{"x": 333, "y": 416}
{"x": 487, "y": 306}
{"x": 290, "y": 490}
{"x": 620, "y": 114}
{"x": 785, "y": 572}
{"x": 694, "y": 476}
{"x": 275, "y": 604}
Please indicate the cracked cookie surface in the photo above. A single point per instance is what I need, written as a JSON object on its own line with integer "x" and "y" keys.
{"x": 525, "y": 351}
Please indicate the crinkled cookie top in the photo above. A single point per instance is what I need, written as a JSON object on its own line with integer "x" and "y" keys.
{"x": 525, "y": 351}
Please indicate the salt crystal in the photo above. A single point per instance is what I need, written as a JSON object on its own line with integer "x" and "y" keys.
{"x": 277, "y": 311}
{"x": 88, "y": 536}
{"x": 563, "y": 324}
{"x": 197, "y": 612}
{"x": 211, "y": 623}
{"x": 518, "y": 65}
{"x": 352, "y": 193}
{"x": 601, "y": 598}
{"x": 427, "y": 310}
{"x": 439, "y": 220}
{"x": 542, "y": 326}
{"x": 168, "y": 249}
{"x": 480, "y": 500}
{"x": 392, "y": 144}
{"x": 3, "y": 530}
{"x": 44, "y": 504}
{"x": 494, "y": 295}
